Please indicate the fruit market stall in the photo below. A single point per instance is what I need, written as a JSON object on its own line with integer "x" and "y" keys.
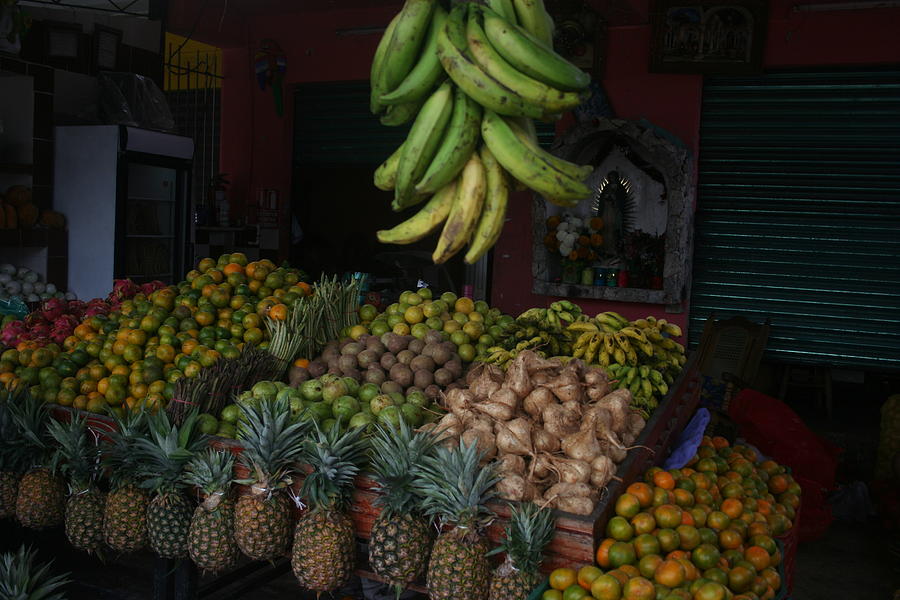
{"x": 248, "y": 415}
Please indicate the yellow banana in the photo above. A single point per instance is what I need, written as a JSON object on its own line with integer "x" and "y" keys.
{"x": 608, "y": 344}
{"x": 421, "y": 144}
{"x": 423, "y": 222}
{"x": 642, "y": 323}
{"x": 672, "y": 329}
{"x": 466, "y": 209}
{"x": 526, "y": 166}
{"x": 534, "y": 19}
{"x": 493, "y": 214}
{"x": 622, "y": 342}
{"x": 386, "y": 174}
{"x": 653, "y": 334}
{"x": 634, "y": 333}
{"x": 603, "y": 359}
{"x": 620, "y": 356}
{"x": 606, "y": 318}
{"x": 376, "y": 81}
{"x": 583, "y": 326}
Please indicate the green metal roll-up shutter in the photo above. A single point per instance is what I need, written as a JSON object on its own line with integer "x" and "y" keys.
{"x": 333, "y": 126}
{"x": 798, "y": 213}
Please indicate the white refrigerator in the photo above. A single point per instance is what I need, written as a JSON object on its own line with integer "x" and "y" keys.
{"x": 125, "y": 194}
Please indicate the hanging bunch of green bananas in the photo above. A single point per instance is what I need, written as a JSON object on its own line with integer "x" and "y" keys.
{"x": 543, "y": 330}
{"x": 472, "y": 134}
{"x": 638, "y": 355}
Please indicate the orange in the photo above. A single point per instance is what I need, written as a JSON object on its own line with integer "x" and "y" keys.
{"x": 664, "y": 480}
{"x": 732, "y": 507}
{"x": 683, "y": 498}
{"x": 643, "y": 523}
{"x": 710, "y": 591}
{"x": 645, "y": 544}
{"x": 602, "y": 555}
{"x": 606, "y": 587}
{"x": 628, "y": 505}
{"x": 667, "y": 516}
{"x": 232, "y": 268}
{"x": 648, "y": 564}
{"x": 561, "y": 578}
{"x": 630, "y": 570}
{"x": 552, "y": 595}
{"x": 718, "y": 520}
{"x": 740, "y": 579}
{"x": 689, "y": 536}
{"x": 587, "y": 574}
{"x": 668, "y": 539}
{"x": 619, "y": 576}
{"x": 279, "y": 312}
{"x": 719, "y": 442}
{"x": 778, "y": 484}
{"x": 641, "y": 491}
{"x": 772, "y": 577}
{"x": 301, "y": 362}
{"x": 670, "y": 573}
{"x": 619, "y": 529}
{"x": 729, "y": 538}
{"x": 705, "y": 556}
{"x": 638, "y": 588}
{"x": 574, "y": 592}
{"x": 621, "y": 553}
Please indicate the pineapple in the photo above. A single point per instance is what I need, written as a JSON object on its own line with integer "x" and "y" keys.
{"x": 12, "y": 457}
{"x": 163, "y": 455}
{"x": 401, "y": 536}
{"x": 211, "y": 542}
{"x": 21, "y": 578}
{"x": 41, "y": 499}
{"x": 324, "y": 550}
{"x": 272, "y": 444}
{"x": 125, "y": 513}
{"x": 84, "y": 509}
{"x": 528, "y": 532}
{"x": 455, "y": 490}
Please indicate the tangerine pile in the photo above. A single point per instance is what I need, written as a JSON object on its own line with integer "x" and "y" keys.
{"x": 703, "y": 532}
{"x": 133, "y": 356}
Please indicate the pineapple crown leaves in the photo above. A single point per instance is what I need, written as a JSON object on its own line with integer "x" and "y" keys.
{"x": 167, "y": 449}
{"x": 119, "y": 458}
{"x": 336, "y": 459}
{"x": 78, "y": 455}
{"x": 211, "y": 471}
{"x": 20, "y": 577}
{"x": 395, "y": 455}
{"x": 13, "y": 455}
{"x": 30, "y": 416}
{"x": 455, "y": 488}
{"x": 528, "y": 531}
{"x": 272, "y": 442}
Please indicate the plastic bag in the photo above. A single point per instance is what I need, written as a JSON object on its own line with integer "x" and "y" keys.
{"x": 14, "y": 306}
{"x": 131, "y": 99}
{"x": 689, "y": 440}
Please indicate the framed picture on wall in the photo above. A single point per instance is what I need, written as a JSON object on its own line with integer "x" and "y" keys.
{"x": 707, "y": 36}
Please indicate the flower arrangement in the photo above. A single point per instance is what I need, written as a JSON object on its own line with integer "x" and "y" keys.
{"x": 574, "y": 238}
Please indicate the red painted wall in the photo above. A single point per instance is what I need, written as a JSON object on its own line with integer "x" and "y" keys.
{"x": 256, "y": 144}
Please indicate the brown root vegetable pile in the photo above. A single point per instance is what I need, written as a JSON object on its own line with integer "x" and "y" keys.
{"x": 556, "y": 431}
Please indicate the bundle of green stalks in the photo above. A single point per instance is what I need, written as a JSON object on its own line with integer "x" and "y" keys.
{"x": 314, "y": 320}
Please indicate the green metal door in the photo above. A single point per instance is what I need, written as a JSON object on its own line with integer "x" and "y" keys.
{"x": 798, "y": 213}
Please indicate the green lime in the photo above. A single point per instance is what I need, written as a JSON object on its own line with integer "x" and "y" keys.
{"x": 230, "y": 414}
{"x": 207, "y": 423}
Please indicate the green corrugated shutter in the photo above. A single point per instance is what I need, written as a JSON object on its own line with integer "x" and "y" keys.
{"x": 798, "y": 213}
{"x": 333, "y": 126}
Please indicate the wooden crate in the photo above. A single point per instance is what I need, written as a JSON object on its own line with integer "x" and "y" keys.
{"x": 576, "y": 537}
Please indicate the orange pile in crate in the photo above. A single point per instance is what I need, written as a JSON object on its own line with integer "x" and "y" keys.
{"x": 703, "y": 532}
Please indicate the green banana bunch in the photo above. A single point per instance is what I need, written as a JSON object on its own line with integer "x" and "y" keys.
{"x": 502, "y": 74}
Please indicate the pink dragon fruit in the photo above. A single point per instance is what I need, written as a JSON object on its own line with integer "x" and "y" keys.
{"x": 12, "y": 333}
{"x": 54, "y": 308}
